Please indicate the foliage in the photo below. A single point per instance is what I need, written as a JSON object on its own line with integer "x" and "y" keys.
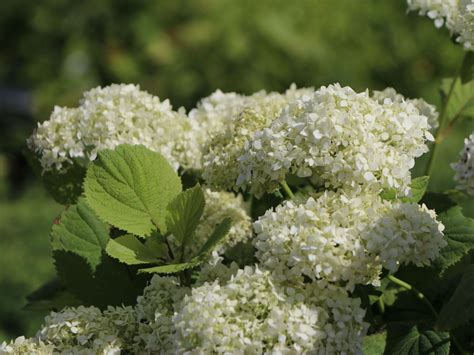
{"x": 129, "y": 219}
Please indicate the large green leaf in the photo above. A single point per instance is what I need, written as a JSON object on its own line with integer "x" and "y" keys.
{"x": 112, "y": 283}
{"x": 184, "y": 213}
{"x": 459, "y": 309}
{"x": 51, "y": 296}
{"x": 81, "y": 232}
{"x": 131, "y": 251}
{"x": 461, "y": 102}
{"x": 423, "y": 342}
{"x": 130, "y": 188}
{"x": 418, "y": 189}
{"x": 459, "y": 234}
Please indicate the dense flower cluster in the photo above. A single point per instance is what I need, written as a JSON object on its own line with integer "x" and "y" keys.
{"x": 338, "y": 138}
{"x": 113, "y": 115}
{"x": 154, "y": 312}
{"x": 246, "y": 313}
{"x": 346, "y": 237}
{"x": 465, "y": 167}
{"x": 457, "y": 15}
{"x": 79, "y": 330}
{"x": 310, "y": 252}
{"x": 252, "y": 314}
{"x": 228, "y": 121}
{"x": 425, "y": 108}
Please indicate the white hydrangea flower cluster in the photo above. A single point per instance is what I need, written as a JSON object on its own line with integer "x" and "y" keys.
{"x": 425, "y": 108}
{"x": 22, "y": 345}
{"x": 339, "y": 139}
{"x": 464, "y": 168}
{"x": 146, "y": 328}
{"x": 81, "y": 330}
{"x": 227, "y": 122}
{"x": 154, "y": 311}
{"x": 110, "y": 116}
{"x": 247, "y": 312}
{"x": 346, "y": 237}
{"x": 251, "y": 314}
{"x": 457, "y": 15}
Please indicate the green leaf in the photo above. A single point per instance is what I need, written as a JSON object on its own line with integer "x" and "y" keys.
{"x": 112, "y": 283}
{"x": 374, "y": 344}
{"x": 459, "y": 309}
{"x": 129, "y": 250}
{"x": 81, "y": 232}
{"x": 184, "y": 213}
{"x": 418, "y": 189}
{"x": 461, "y": 102}
{"x": 467, "y": 70}
{"x": 418, "y": 342}
{"x": 51, "y": 296}
{"x": 459, "y": 233}
{"x": 172, "y": 268}
{"x": 217, "y": 235}
{"x": 130, "y": 188}
{"x": 440, "y": 202}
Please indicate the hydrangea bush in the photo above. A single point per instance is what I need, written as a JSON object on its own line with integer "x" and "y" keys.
{"x": 274, "y": 223}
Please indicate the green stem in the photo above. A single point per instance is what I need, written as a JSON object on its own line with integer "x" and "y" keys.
{"x": 441, "y": 132}
{"x": 417, "y": 293}
{"x": 170, "y": 251}
{"x": 381, "y": 305}
{"x": 426, "y": 301}
{"x": 287, "y": 190}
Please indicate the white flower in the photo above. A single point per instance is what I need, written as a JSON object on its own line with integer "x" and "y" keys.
{"x": 80, "y": 330}
{"x": 250, "y": 314}
{"x": 406, "y": 233}
{"x": 22, "y": 345}
{"x": 345, "y": 237}
{"x": 337, "y": 138}
{"x": 423, "y": 107}
{"x": 110, "y": 116}
{"x": 457, "y": 15}
{"x": 214, "y": 269}
{"x": 227, "y": 122}
{"x": 154, "y": 310}
{"x": 465, "y": 167}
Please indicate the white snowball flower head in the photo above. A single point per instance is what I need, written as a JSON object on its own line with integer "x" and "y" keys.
{"x": 251, "y": 314}
{"x": 345, "y": 237}
{"x": 464, "y": 168}
{"x": 113, "y": 115}
{"x": 227, "y": 122}
{"x": 154, "y": 312}
{"x": 22, "y": 345}
{"x": 390, "y": 95}
{"x": 339, "y": 139}
{"x": 457, "y": 15}
{"x": 81, "y": 330}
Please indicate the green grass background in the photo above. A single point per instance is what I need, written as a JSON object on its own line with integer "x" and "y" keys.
{"x": 184, "y": 50}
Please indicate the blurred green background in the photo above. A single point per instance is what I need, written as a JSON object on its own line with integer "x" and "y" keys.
{"x": 53, "y": 50}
